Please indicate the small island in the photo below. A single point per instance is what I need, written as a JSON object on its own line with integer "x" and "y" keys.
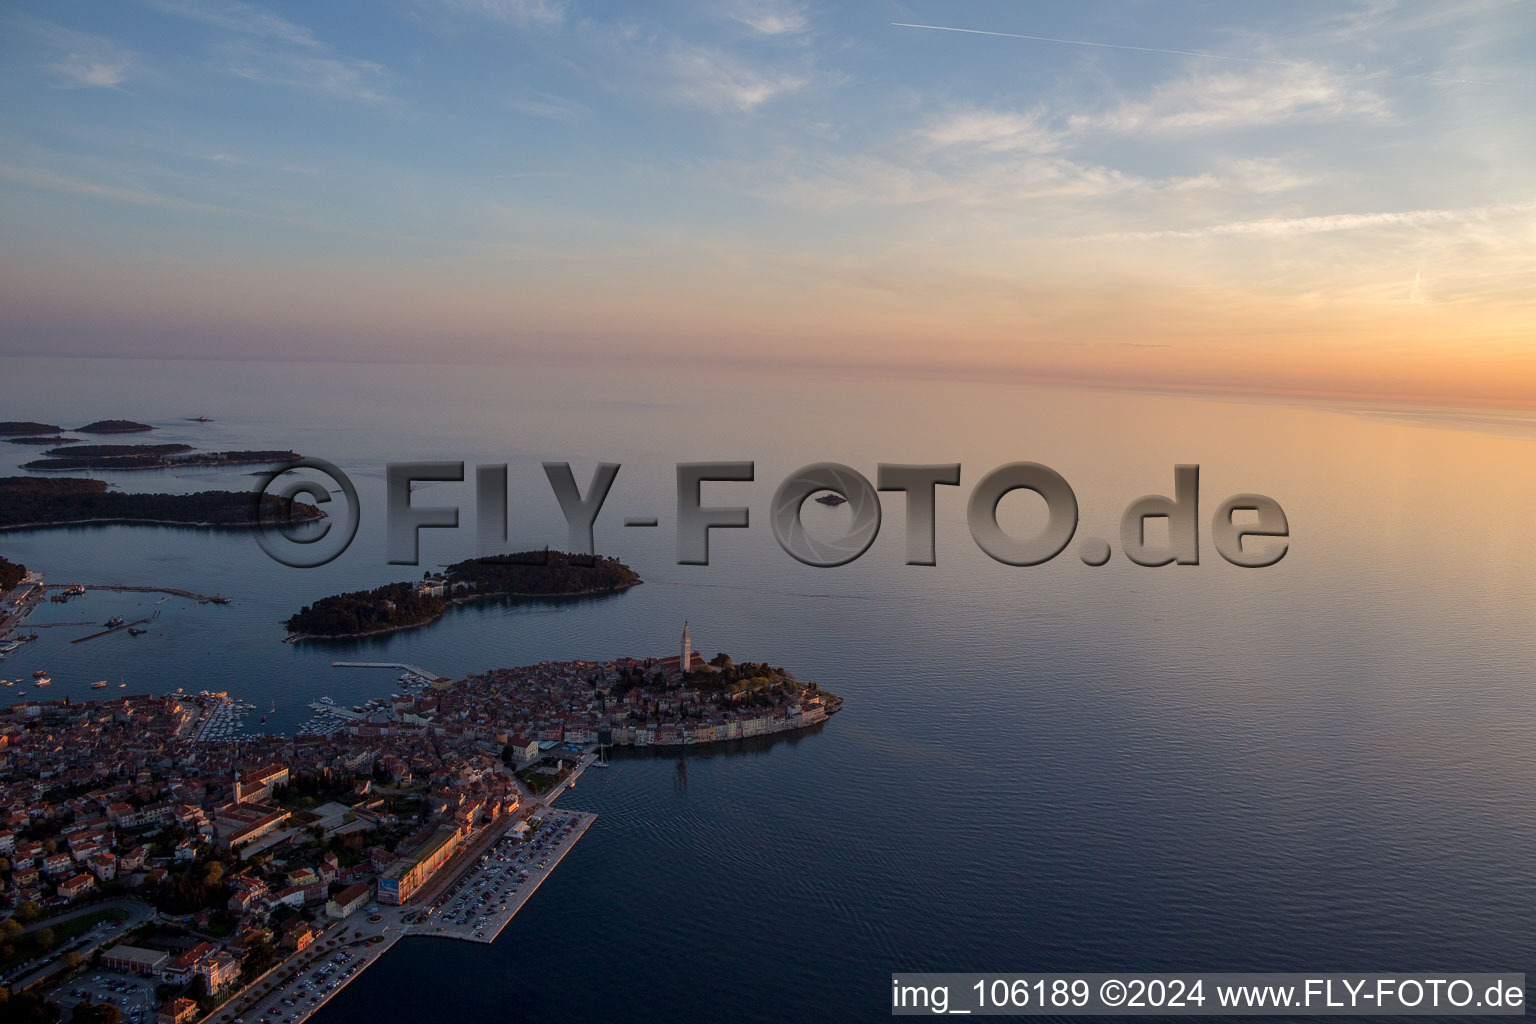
{"x": 29, "y": 427}
{"x": 82, "y": 458}
{"x": 107, "y": 427}
{"x": 30, "y": 502}
{"x": 395, "y": 606}
{"x": 109, "y": 450}
{"x": 54, "y": 439}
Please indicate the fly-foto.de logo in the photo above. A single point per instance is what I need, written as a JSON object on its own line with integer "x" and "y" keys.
{"x": 1247, "y": 530}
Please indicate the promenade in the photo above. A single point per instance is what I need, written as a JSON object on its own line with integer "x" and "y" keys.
{"x": 294, "y": 990}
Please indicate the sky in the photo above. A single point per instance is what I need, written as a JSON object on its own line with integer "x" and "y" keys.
{"x": 1310, "y": 197}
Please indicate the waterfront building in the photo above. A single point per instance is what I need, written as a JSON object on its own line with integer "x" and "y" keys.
{"x": 402, "y": 879}
{"x": 346, "y": 902}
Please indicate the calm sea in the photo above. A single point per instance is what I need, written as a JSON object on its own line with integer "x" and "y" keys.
{"x": 1320, "y": 765}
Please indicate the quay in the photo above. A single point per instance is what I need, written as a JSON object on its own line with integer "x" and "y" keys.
{"x": 368, "y": 935}
{"x": 430, "y": 676}
{"x": 444, "y": 927}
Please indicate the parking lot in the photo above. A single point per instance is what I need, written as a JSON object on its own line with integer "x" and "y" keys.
{"x": 480, "y": 903}
{"x": 316, "y": 981}
{"x": 134, "y": 996}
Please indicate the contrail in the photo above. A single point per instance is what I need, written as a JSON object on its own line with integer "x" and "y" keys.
{"x": 1158, "y": 49}
{"x": 1084, "y": 42}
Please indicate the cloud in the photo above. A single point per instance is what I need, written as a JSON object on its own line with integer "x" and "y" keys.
{"x": 992, "y": 131}
{"x": 94, "y": 69}
{"x": 1281, "y": 227}
{"x": 865, "y": 180}
{"x": 524, "y": 13}
{"x": 81, "y": 59}
{"x": 341, "y": 77}
{"x": 769, "y": 17}
{"x": 709, "y": 77}
{"x": 267, "y": 48}
{"x": 1231, "y": 99}
{"x": 555, "y": 108}
{"x": 53, "y": 182}
{"x": 235, "y": 16}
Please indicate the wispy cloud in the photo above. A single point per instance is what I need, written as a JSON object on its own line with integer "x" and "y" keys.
{"x": 263, "y": 47}
{"x": 542, "y": 104}
{"x": 94, "y": 68}
{"x": 709, "y": 77}
{"x": 768, "y": 17}
{"x": 340, "y": 77}
{"x": 992, "y": 131}
{"x": 522, "y": 13}
{"x": 1280, "y": 227}
{"x": 51, "y": 181}
{"x": 235, "y": 16}
{"x": 78, "y": 59}
{"x": 1251, "y": 97}
{"x": 1085, "y": 42}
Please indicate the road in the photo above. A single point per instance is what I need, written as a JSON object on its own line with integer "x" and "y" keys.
{"x": 138, "y": 913}
{"x": 99, "y": 936}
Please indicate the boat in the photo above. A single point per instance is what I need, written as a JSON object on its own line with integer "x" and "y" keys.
{"x": 100, "y": 684}
{"x": 137, "y": 631}
{"x": 219, "y": 599}
{"x": 114, "y": 622}
{"x": 44, "y": 680}
{"x": 122, "y": 686}
{"x": 832, "y": 498}
{"x": 39, "y": 673}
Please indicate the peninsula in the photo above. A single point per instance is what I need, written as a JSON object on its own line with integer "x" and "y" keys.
{"x": 395, "y": 606}
{"x": 166, "y": 866}
{"x": 30, "y": 502}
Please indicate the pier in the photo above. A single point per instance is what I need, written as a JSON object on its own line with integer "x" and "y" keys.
{"x": 428, "y": 675}
{"x": 105, "y": 632}
{"x": 123, "y": 588}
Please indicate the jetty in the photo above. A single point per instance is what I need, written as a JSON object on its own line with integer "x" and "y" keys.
{"x": 173, "y": 591}
{"x": 427, "y": 674}
{"x": 104, "y": 632}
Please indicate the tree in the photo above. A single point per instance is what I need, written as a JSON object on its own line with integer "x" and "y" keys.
{"x": 73, "y": 960}
{"x": 45, "y": 938}
{"x": 95, "y": 1013}
{"x": 10, "y": 928}
{"x": 27, "y": 911}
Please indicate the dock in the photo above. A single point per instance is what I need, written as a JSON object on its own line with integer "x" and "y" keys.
{"x": 427, "y": 674}
{"x": 105, "y": 632}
